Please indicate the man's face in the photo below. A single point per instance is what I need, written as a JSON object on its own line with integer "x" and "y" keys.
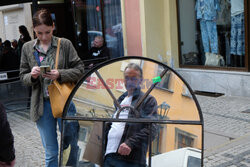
{"x": 44, "y": 33}
{"x": 98, "y": 43}
{"x": 132, "y": 79}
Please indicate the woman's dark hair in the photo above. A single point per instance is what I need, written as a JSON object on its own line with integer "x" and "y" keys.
{"x": 42, "y": 16}
{"x": 23, "y": 30}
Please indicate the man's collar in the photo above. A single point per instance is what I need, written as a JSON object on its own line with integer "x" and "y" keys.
{"x": 135, "y": 93}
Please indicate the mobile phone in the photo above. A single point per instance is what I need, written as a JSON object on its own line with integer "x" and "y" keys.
{"x": 44, "y": 69}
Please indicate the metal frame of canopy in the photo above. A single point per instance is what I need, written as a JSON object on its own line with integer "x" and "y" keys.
{"x": 131, "y": 120}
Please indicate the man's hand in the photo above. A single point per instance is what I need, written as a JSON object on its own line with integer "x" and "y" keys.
{"x": 53, "y": 74}
{"x": 124, "y": 149}
{"x": 35, "y": 72}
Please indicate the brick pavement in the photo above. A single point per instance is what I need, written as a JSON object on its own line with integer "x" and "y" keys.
{"x": 222, "y": 117}
{"x": 29, "y": 150}
{"x": 233, "y": 153}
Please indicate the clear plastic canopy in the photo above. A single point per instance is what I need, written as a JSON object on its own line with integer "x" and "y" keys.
{"x": 163, "y": 122}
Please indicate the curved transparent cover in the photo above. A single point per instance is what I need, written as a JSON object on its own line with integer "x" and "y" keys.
{"x": 150, "y": 118}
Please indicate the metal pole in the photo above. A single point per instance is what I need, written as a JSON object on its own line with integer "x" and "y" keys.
{"x": 150, "y": 145}
{"x": 149, "y": 90}
{"x": 107, "y": 88}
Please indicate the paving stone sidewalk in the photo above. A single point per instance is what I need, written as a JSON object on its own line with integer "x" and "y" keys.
{"x": 28, "y": 145}
{"x": 235, "y": 153}
{"x": 223, "y": 116}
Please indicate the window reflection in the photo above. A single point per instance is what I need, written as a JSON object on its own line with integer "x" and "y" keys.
{"x": 93, "y": 100}
{"x": 216, "y": 35}
{"x": 113, "y": 27}
{"x": 98, "y": 18}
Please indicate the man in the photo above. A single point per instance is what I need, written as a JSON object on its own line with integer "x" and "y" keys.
{"x": 127, "y": 143}
{"x": 7, "y": 151}
{"x": 15, "y": 46}
{"x": 98, "y": 52}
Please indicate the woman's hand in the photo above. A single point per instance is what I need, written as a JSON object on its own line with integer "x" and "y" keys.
{"x": 53, "y": 74}
{"x": 35, "y": 72}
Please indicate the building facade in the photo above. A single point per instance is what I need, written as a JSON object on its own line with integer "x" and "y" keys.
{"x": 176, "y": 32}
{"x": 11, "y": 17}
{"x": 134, "y": 28}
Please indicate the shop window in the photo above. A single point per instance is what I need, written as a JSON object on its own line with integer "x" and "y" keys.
{"x": 183, "y": 139}
{"x": 98, "y": 18}
{"x": 212, "y": 32}
{"x": 156, "y": 144}
{"x": 113, "y": 27}
{"x": 165, "y": 81}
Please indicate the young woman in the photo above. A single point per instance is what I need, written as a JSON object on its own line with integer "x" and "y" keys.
{"x": 24, "y": 37}
{"x": 70, "y": 68}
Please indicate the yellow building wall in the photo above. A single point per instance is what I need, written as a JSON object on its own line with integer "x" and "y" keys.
{"x": 97, "y": 93}
{"x": 169, "y": 139}
{"x": 181, "y": 108}
{"x": 93, "y": 94}
{"x": 159, "y": 30}
{"x": 159, "y": 38}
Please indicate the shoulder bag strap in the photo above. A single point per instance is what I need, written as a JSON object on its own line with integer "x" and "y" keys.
{"x": 57, "y": 52}
{"x": 35, "y": 53}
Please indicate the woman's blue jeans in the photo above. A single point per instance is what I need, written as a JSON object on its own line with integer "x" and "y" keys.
{"x": 47, "y": 126}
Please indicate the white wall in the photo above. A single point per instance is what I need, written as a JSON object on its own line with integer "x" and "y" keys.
{"x": 187, "y": 25}
{"x": 11, "y": 17}
{"x": 227, "y": 82}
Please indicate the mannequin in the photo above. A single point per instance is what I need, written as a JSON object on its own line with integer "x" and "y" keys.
{"x": 237, "y": 41}
{"x": 206, "y": 11}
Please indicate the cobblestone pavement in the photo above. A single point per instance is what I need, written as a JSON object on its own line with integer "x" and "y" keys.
{"x": 228, "y": 117}
{"x": 28, "y": 145}
{"x": 223, "y": 118}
